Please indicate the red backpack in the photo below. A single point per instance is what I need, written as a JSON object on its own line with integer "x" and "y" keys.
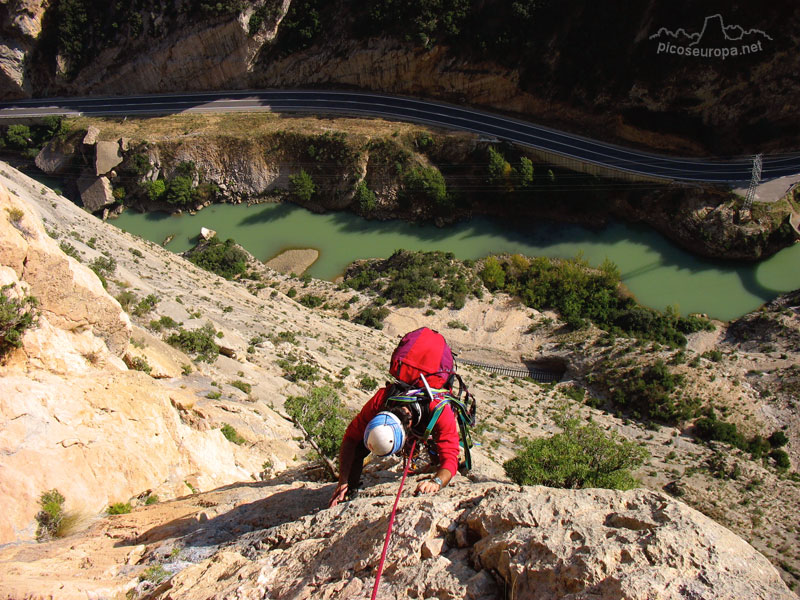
{"x": 422, "y": 351}
{"x": 424, "y": 361}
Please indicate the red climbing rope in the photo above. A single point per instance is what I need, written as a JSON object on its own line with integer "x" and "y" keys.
{"x": 391, "y": 522}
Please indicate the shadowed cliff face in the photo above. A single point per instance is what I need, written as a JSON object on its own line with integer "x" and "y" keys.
{"x": 645, "y": 73}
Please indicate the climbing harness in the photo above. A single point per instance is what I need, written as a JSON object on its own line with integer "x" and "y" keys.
{"x": 391, "y": 522}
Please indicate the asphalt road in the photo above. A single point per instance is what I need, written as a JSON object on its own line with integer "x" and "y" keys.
{"x": 420, "y": 111}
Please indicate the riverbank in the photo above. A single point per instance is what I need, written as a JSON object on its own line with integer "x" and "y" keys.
{"x": 657, "y": 272}
{"x": 382, "y": 171}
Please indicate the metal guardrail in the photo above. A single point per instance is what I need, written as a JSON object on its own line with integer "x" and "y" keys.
{"x": 539, "y": 375}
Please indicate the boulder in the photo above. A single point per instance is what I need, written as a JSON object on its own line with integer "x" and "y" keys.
{"x": 107, "y": 156}
{"x": 12, "y": 72}
{"x": 96, "y": 192}
{"x": 542, "y": 543}
{"x": 52, "y": 160}
{"x": 92, "y": 133}
{"x": 207, "y": 234}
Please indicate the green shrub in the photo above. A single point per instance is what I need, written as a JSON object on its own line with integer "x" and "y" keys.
{"x": 311, "y": 300}
{"x": 119, "y": 508}
{"x": 367, "y": 383}
{"x": 241, "y": 385}
{"x": 225, "y": 259}
{"x": 155, "y": 574}
{"x": 16, "y": 315}
{"x": 492, "y": 274}
{"x": 580, "y": 293}
{"x": 103, "y": 267}
{"x": 427, "y": 184}
{"x": 18, "y": 137}
{"x": 710, "y": 428}
{"x": 712, "y": 355}
{"x": 155, "y": 190}
{"x": 165, "y": 322}
{"x": 578, "y": 457}
{"x": 322, "y": 414}
{"x": 145, "y": 305}
{"x": 778, "y": 439}
{"x": 652, "y": 393}
{"x": 139, "y": 364}
{"x": 781, "y": 458}
{"x": 50, "y": 518}
{"x": 232, "y": 435}
{"x": 70, "y": 250}
{"x": 15, "y": 215}
{"x": 151, "y": 499}
{"x": 758, "y": 446}
{"x": 365, "y": 197}
{"x": 408, "y": 278}
{"x": 126, "y": 299}
{"x": 301, "y": 186}
{"x": 372, "y": 317}
{"x": 198, "y": 341}
{"x": 299, "y": 371}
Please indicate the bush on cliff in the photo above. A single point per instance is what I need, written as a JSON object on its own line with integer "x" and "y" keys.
{"x": 198, "y": 341}
{"x": 52, "y": 521}
{"x": 301, "y": 186}
{"x": 225, "y": 259}
{"x": 16, "y": 315}
{"x": 322, "y": 414}
{"x": 580, "y": 456}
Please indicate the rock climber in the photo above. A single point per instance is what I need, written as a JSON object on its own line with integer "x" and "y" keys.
{"x": 423, "y": 367}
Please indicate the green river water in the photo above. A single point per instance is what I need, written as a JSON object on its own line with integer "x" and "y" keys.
{"x": 657, "y": 272}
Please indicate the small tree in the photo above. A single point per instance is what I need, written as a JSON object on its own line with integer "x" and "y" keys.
{"x": 302, "y": 186}
{"x": 580, "y": 456}
{"x": 498, "y": 168}
{"x": 524, "y": 173}
{"x": 322, "y": 414}
{"x": 429, "y": 184}
{"x": 365, "y": 198}
{"x": 156, "y": 189}
{"x": 179, "y": 190}
{"x": 493, "y": 275}
{"x": 18, "y": 136}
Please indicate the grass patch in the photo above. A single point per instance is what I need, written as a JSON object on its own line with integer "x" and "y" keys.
{"x": 119, "y": 508}
{"x": 232, "y": 435}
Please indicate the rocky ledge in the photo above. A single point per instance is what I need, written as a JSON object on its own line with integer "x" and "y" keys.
{"x": 474, "y": 540}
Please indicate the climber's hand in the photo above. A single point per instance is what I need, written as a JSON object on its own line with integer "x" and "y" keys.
{"x": 338, "y": 495}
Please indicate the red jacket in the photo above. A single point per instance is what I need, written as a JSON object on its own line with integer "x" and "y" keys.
{"x": 445, "y": 430}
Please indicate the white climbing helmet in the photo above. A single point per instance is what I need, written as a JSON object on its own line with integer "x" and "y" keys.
{"x": 384, "y": 434}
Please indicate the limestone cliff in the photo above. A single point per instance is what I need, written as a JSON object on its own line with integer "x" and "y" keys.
{"x": 72, "y": 416}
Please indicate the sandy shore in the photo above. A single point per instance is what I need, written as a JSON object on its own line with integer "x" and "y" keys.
{"x": 294, "y": 261}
